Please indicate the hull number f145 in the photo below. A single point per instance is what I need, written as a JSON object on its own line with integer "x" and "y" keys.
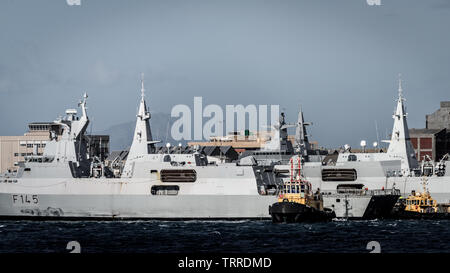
{"x": 24, "y": 199}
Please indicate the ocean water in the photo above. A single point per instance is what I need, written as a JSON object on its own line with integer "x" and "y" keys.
{"x": 393, "y": 236}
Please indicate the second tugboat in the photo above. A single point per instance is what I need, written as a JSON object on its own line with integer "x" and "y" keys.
{"x": 296, "y": 203}
{"x": 420, "y": 205}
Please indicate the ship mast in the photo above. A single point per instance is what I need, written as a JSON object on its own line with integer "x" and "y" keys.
{"x": 400, "y": 145}
{"x": 301, "y": 137}
{"x": 143, "y": 143}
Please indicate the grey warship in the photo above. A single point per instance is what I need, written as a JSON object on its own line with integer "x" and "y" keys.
{"x": 397, "y": 168}
{"x": 64, "y": 183}
{"x": 361, "y": 176}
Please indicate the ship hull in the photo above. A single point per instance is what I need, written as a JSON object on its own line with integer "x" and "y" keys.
{"x": 380, "y": 206}
{"x": 80, "y": 206}
{"x": 439, "y": 187}
{"x": 360, "y": 206}
{"x": 291, "y": 212}
{"x": 218, "y": 192}
{"x": 372, "y": 175}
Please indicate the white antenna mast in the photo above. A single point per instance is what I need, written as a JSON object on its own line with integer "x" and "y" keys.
{"x": 142, "y": 86}
{"x": 376, "y": 129}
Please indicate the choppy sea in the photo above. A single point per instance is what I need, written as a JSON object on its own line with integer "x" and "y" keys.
{"x": 393, "y": 236}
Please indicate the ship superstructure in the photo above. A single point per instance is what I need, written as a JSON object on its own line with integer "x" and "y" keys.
{"x": 279, "y": 149}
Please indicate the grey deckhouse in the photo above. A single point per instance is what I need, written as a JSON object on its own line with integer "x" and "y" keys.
{"x": 68, "y": 143}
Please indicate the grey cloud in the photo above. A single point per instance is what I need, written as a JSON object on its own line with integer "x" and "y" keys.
{"x": 340, "y": 59}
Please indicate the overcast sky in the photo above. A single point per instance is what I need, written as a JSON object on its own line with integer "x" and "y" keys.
{"x": 339, "y": 59}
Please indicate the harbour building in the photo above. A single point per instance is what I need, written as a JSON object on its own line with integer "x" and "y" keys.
{"x": 246, "y": 140}
{"x": 433, "y": 141}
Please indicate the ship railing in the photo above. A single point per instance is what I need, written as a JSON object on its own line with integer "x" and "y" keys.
{"x": 386, "y": 192}
{"x": 39, "y": 158}
{"x": 363, "y": 192}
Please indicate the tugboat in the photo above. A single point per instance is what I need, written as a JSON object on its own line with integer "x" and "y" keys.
{"x": 420, "y": 205}
{"x": 296, "y": 203}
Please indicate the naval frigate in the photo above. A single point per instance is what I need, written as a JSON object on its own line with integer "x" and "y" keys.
{"x": 65, "y": 183}
{"x": 397, "y": 168}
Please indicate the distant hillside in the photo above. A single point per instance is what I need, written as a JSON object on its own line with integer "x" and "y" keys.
{"x": 121, "y": 134}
